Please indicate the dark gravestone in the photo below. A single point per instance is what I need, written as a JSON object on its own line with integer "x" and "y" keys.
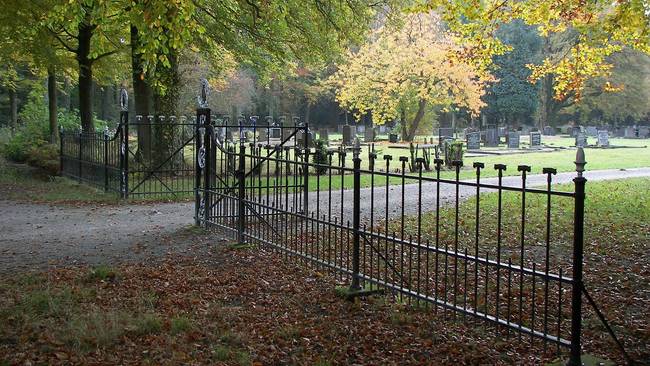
{"x": 276, "y": 133}
{"x": 503, "y": 131}
{"x": 644, "y": 132}
{"x": 445, "y": 132}
{"x": 349, "y": 133}
{"x": 592, "y": 131}
{"x": 549, "y": 131}
{"x": 473, "y": 140}
{"x": 369, "y": 135}
{"x": 491, "y": 137}
{"x": 581, "y": 140}
{"x": 575, "y": 131}
{"x": 535, "y": 139}
{"x": 603, "y": 138}
{"x": 393, "y": 137}
{"x": 513, "y": 140}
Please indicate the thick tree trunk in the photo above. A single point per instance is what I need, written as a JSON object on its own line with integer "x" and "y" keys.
{"x": 413, "y": 128}
{"x": 13, "y": 106}
{"x": 142, "y": 95}
{"x": 67, "y": 89}
{"x": 166, "y": 105}
{"x": 52, "y": 103}
{"x": 85, "y": 75}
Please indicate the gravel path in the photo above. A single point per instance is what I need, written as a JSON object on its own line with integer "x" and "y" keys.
{"x": 40, "y": 235}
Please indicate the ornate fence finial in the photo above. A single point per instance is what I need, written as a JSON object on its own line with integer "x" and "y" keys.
{"x": 203, "y": 93}
{"x": 124, "y": 100}
{"x": 580, "y": 161}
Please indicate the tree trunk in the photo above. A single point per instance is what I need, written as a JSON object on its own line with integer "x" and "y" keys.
{"x": 166, "y": 105}
{"x": 13, "y": 105}
{"x": 85, "y": 74}
{"x": 52, "y": 103}
{"x": 413, "y": 128}
{"x": 67, "y": 88}
{"x": 142, "y": 95}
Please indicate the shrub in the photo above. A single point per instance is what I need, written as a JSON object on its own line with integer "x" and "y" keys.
{"x": 320, "y": 156}
{"x": 453, "y": 151}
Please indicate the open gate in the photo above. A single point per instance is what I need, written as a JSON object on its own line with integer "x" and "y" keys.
{"x": 246, "y": 174}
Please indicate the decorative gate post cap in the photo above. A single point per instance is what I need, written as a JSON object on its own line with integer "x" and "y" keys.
{"x": 580, "y": 161}
{"x": 124, "y": 100}
{"x": 203, "y": 93}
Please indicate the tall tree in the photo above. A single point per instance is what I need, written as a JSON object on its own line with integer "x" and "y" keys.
{"x": 401, "y": 74}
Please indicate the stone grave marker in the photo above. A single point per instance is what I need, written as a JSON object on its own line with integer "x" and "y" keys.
{"x": 361, "y": 128}
{"x": 276, "y": 133}
{"x": 513, "y": 140}
{"x": 535, "y": 139}
{"x": 603, "y": 138}
{"x": 644, "y": 132}
{"x": 503, "y": 132}
{"x": 473, "y": 140}
{"x": 491, "y": 137}
{"x": 349, "y": 133}
{"x": 369, "y": 135}
{"x": 445, "y": 132}
{"x": 549, "y": 131}
{"x": 592, "y": 131}
{"x": 630, "y": 132}
{"x": 581, "y": 140}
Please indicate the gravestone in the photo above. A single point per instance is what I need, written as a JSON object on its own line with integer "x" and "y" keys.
{"x": 644, "y": 132}
{"x": 513, "y": 140}
{"x": 349, "y": 133}
{"x": 393, "y": 137}
{"x": 535, "y": 139}
{"x": 276, "y": 133}
{"x": 581, "y": 140}
{"x": 503, "y": 132}
{"x": 369, "y": 135}
{"x": 383, "y": 129}
{"x": 549, "y": 131}
{"x": 473, "y": 140}
{"x": 445, "y": 132}
{"x": 323, "y": 134}
{"x": 575, "y": 131}
{"x": 603, "y": 138}
{"x": 491, "y": 137}
{"x": 361, "y": 128}
{"x": 630, "y": 132}
{"x": 592, "y": 131}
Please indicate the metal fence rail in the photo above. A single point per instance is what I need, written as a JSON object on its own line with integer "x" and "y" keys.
{"x": 260, "y": 192}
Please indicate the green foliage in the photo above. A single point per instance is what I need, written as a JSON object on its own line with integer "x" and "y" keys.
{"x": 320, "y": 156}
{"x": 453, "y": 152}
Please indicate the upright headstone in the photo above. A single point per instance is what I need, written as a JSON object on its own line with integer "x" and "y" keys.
{"x": 276, "y": 133}
{"x": 361, "y": 128}
{"x": 473, "y": 140}
{"x": 383, "y": 129}
{"x": 491, "y": 137}
{"x": 349, "y": 133}
{"x": 592, "y": 131}
{"x": 503, "y": 131}
{"x": 603, "y": 138}
{"x": 535, "y": 139}
{"x": 445, "y": 133}
{"x": 369, "y": 135}
{"x": 575, "y": 131}
{"x": 393, "y": 137}
{"x": 644, "y": 132}
{"x": 581, "y": 140}
{"x": 549, "y": 131}
{"x": 630, "y": 132}
{"x": 513, "y": 140}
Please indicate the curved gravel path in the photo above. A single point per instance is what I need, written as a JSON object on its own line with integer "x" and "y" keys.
{"x": 41, "y": 235}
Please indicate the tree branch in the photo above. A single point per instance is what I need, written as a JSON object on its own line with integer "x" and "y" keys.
{"x": 63, "y": 43}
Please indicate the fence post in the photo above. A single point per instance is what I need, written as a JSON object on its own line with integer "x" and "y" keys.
{"x": 578, "y": 241}
{"x": 124, "y": 146}
{"x": 356, "y": 216}
{"x": 306, "y": 173}
{"x": 106, "y": 159}
{"x": 241, "y": 194}
{"x": 207, "y": 149}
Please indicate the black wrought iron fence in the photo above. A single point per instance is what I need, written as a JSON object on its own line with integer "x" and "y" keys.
{"x": 418, "y": 236}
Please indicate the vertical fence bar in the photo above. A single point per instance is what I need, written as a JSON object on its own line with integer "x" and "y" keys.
{"x": 306, "y": 141}
{"x": 578, "y": 241}
{"x": 356, "y": 216}
{"x": 106, "y": 160}
{"x": 241, "y": 194}
{"x": 80, "y": 154}
{"x": 124, "y": 116}
{"x": 199, "y": 163}
{"x": 207, "y": 164}
{"x": 61, "y": 150}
